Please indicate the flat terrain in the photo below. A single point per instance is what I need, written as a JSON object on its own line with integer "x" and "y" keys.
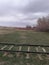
{"x": 6, "y": 30}
{"x": 27, "y": 37}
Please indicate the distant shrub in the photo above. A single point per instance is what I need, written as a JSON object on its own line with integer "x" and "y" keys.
{"x": 43, "y": 24}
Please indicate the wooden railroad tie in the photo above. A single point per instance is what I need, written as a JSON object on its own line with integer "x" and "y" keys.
{"x": 28, "y": 55}
{"x": 39, "y": 56}
{"x": 6, "y": 53}
{"x": 18, "y": 54}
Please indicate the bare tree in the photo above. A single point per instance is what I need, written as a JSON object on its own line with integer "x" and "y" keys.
{"x": 43, "y": 24}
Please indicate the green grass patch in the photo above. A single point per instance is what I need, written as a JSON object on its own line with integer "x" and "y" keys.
{"x": 28, "y": 37}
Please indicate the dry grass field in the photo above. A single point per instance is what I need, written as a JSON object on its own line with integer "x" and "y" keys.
{"x": 6, "y": 30}
{"x": 11, "y": 35}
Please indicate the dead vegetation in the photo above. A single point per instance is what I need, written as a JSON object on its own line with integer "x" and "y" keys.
{"x": 6, "y": 30}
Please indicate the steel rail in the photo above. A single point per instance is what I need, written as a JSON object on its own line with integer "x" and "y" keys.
{"x": 35, "y": 45}
{"x": 24, "y": 51}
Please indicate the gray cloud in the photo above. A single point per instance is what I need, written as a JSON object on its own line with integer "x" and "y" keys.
{"x": 31, "y": 6}
{"x": 23, "y": 12}
{"x": 37, "y": 6}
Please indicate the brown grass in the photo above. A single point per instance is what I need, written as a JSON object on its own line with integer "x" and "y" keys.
{"x": 6, "y": 30}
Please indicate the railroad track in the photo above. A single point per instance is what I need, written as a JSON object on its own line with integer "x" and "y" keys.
{"x": 24, "y": 48}
{"x": 28, "y": 49}
{"x": 38, "y": 52}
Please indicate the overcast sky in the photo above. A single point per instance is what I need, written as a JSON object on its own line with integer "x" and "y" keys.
{"x": 22, "y": 12}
